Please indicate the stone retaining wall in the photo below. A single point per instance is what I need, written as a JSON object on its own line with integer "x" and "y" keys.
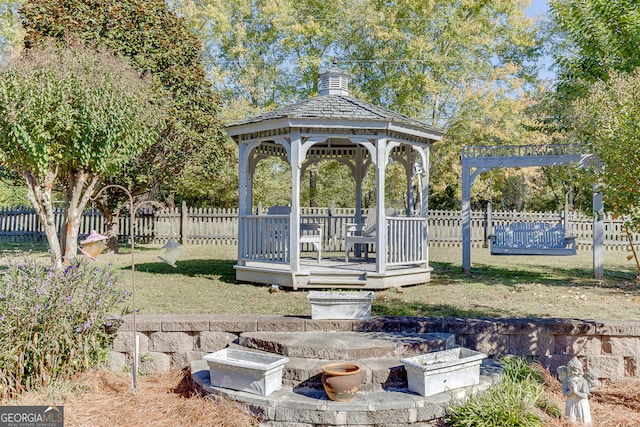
{"x": 611, "y": 348}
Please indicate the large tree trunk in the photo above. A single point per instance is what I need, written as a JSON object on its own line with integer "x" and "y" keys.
{"x": 111, "y": 220}
{"x": 39, "y": 194}
{"x": 77, "y": 196}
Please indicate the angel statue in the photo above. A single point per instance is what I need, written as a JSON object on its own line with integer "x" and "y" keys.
{"x": 576, "y": 386}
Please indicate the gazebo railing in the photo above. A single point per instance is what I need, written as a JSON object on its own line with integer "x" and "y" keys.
{"x": 404, "y": 240}
{"x": 266, "y": 238}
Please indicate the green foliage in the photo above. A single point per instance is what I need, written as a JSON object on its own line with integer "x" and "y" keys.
{"x": 607, "y": 120}
{"x": 68, "y": 116}
{"x": 462, "y": 66}
{"x": 73, "y": 110}
{"x": 599, "y": 36}
{"x": 11, "y": 195}
{"x": 10, "y": 29}
{"x": 507, "y": 404}
{"x": 512, "y": 402}
{"x": 158, "y": 43}
{"x": 53, "y": 323}
{"x": 517, "y": 369}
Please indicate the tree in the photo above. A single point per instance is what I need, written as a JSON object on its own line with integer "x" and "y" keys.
{"x": 460, "y": 65}
{"x": 595, "y": 38}
{"x": 68, "y": 117}
{"x": 10, "y": 29}
{"x": 159, "y": 43}
{"x": 607, "y": 120}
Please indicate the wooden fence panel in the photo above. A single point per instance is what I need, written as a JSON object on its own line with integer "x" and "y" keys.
{"x": 205, "y": 226}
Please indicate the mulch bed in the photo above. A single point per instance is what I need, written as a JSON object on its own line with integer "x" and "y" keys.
{"x": 104, "y": 398}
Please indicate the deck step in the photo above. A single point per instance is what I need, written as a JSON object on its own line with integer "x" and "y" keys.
{"x": 324, "y": 281}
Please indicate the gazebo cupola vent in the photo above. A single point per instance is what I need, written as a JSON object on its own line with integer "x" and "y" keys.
{"x": 334, "y": 82}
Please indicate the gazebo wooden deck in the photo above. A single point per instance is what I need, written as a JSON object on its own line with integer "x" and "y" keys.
{"x": 358, "y": 134}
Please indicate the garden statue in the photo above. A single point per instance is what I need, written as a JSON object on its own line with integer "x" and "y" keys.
{"x": 576, "y": 385}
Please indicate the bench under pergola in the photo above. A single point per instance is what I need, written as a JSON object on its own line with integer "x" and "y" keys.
{"x": 333, "y": 125}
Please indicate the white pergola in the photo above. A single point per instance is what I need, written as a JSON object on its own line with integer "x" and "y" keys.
{"x": 476, "y": 160}
{"x": 357, "y": 134}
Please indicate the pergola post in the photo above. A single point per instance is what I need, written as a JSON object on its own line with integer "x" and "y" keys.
{"x": 598, "y": 234}
{"x": 466, "y": 219}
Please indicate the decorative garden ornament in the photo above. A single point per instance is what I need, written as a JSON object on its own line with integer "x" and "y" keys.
{"x": 576, "y": 386}
{"x": 93, "y": 245}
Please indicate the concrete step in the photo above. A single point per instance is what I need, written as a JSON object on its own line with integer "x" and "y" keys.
{"x": 334, "y": 346}
{"x": 309, "y": 407}
{"x": 377, "y": 374}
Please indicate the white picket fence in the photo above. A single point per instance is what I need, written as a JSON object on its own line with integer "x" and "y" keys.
{"x": 205, "y": 226}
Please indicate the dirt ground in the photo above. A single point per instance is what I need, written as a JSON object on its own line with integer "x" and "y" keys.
{"x": 104, "y": 399}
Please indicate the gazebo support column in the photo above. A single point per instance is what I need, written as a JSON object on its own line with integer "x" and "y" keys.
{"x": 296, "y": 160}
{"x": 424, "y": 204}
{"x": 245, "y": 194}
{"x": 408, "y": 170}
{"x": 381, "y": 228}
{"x": 359, "y": 173}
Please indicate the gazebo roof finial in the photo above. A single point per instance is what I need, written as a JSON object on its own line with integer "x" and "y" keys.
{"x": 334, "y": 81}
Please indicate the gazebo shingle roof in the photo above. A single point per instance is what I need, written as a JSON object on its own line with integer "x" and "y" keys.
{"x": 335, "y": 107}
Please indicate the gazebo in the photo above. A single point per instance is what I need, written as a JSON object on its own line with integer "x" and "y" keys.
{"x": 358, "y": 134}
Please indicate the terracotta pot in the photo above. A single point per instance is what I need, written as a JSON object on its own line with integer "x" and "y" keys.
{"x": 341, "y": 380}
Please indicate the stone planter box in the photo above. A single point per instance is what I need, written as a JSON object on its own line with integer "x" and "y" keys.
{"x": 440, "y": 371}
{"x": 248, "y": 371}
{"x": 340, "y": 305}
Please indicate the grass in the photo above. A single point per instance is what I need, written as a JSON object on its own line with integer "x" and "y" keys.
{"x": 204, "y": 282}
{"x": 498, "y": 286}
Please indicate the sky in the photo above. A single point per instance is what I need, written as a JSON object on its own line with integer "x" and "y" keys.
{"x": 537, "y": 7}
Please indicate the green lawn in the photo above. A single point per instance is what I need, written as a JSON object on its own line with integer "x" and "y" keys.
{"x": 514, "y": 286}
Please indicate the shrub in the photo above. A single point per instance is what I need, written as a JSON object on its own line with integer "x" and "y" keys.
{"x": 53, "y": 323}
{"x": 510, "y": 403}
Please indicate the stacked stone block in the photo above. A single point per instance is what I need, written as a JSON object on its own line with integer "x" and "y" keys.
{"x": 611, "y": 348}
